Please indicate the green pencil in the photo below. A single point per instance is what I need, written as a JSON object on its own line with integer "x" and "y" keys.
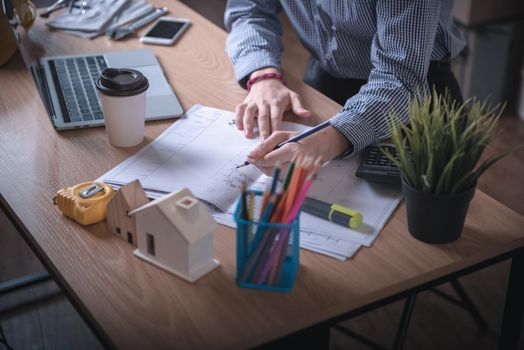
{"x": 289, "y": 173}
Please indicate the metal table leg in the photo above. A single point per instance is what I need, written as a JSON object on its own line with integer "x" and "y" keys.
{"x": 23, "y": 282}
{"x": 404, "y": 322}
{"x": 16, "y": 284}
{"x": 514, "y": 308}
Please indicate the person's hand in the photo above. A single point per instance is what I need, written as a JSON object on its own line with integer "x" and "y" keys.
{"x": 265, "y": 158}
{"x": 267, "y": 101}
{"x": 327, "y": 143}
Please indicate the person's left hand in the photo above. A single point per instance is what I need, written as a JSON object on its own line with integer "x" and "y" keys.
{"x": 265, "y": 104}
{"x": 327, "y": 143}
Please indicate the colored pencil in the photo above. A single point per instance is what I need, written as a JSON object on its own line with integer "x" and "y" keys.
{"x": 267, "y": 253}
{"x": 251, "y": 215}
{"x": 243, "y": 199}
{"x": 257, "y": 246}
{"x": 281, "y": 253}
{"x": 265, "y": 197}
{"x": 283, "y": 236}
{"x": 299, "y": 201}
{"x": 251, "y": 206}
{"x": 289, "y": 172}
{"x": 276, "y": 269}
{"x": 294, "y": 186}
{"x": 276, "y": 175}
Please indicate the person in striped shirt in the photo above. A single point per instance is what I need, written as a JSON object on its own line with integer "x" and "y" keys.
{"x": 371, "y": 56}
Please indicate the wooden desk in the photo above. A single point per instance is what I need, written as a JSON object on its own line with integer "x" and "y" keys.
{"x": 133, "y": 305}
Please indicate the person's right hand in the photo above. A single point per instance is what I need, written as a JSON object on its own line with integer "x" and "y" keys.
{"x": 267, "y": 101}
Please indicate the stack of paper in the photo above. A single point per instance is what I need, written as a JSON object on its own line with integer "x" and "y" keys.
{"x": 99, "y": 16}
{"x": 201, "y": 151}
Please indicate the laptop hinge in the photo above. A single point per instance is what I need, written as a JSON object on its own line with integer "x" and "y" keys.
{"x": 43, "y": 89}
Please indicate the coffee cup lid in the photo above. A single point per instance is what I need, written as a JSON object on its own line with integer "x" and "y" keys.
{"x": 121, "y": 82}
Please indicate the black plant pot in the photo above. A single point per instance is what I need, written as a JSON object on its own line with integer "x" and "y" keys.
{"x": 436, "y": 218}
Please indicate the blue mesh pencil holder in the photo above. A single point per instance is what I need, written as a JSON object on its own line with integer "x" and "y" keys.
{"x": 267, "y": 253}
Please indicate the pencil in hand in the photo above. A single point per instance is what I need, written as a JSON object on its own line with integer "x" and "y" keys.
{"x": 295, "y": 139}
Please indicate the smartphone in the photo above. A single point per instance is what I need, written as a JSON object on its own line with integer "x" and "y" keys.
{"x": 165, "y": 31}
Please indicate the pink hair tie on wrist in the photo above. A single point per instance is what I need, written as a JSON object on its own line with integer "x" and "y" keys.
{"x": 265, "y": 76}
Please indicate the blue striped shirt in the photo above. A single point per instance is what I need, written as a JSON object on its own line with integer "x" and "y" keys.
{"x": 388, "y": 42}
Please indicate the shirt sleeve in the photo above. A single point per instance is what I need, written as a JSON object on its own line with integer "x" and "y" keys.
{"x": 400, "y": 55}
{"x": 254, "y": 41}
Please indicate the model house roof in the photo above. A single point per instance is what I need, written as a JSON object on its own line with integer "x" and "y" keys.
{"x": 133, "y": 193}
{"x": 176, "y": 208}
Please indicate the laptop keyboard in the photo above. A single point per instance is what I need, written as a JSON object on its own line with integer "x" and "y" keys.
{"x": 76, "y": 91}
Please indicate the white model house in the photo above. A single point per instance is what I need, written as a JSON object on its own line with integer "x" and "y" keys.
{"x": 175, "y": 232}
{"x": 128, "y": 198}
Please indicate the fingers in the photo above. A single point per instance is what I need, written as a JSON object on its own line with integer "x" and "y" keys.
{"x": 268, "y": 145}
{"x": 263, "y": 122}
{"x": 270, "y": 170}
{"x": 269, "y": 118}
{"x": 249, "y": 120}
{"x": 266, "y": 170}
{"x": 267, "y": 101}
{"x": 296, "y": 105}
{"x": 276, "y": 116}
{"x": 239, "y": 116}
{"x": 278, "y": 156}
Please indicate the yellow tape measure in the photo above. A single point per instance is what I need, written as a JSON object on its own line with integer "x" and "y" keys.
{"x": 85, "y": 203}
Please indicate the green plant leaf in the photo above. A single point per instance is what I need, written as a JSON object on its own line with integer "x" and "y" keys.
{"x": 445, "y": 141}
{"x": 488, "y": 163}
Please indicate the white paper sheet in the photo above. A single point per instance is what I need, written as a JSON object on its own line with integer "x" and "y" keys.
{"x": 199, "y": 152}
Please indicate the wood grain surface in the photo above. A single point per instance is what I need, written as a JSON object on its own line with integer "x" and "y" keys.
{"x": 139, "y": 306}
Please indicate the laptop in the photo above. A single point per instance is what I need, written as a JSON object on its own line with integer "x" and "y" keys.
{"x": 67, "y": 83}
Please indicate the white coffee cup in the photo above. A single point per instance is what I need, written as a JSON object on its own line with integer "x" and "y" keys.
{"x": 123, "y": 97}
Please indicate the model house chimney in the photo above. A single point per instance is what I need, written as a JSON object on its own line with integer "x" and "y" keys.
{"x": 188, "y": 206}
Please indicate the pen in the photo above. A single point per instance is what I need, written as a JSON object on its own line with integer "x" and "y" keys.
{"x": 295, "y": 139}
{"x": 333, "y": 212}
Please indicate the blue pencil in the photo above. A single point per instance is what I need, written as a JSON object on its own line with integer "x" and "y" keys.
{"x": 276, "y": 175}
{"x": 295, "y": 139}
{"x": 259, "y": 241}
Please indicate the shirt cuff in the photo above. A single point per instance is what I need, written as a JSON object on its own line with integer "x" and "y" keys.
{"x": 253, "y": 62}
{"x": 358, "y": 132}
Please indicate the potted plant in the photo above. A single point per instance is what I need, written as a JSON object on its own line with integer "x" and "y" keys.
{"x": 438, "y": 154}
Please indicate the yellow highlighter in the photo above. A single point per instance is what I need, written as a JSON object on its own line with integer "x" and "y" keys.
{"x": 333, "y": 212}
{"x": 85, "y": 203}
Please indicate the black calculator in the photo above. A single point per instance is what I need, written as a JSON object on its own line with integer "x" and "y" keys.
{"x": 375, "y": 166}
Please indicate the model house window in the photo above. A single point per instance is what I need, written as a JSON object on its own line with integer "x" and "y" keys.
{"x": 129, "y": 237}
{"x": 150, "y": 244}
{"x": 118, "y": 230}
